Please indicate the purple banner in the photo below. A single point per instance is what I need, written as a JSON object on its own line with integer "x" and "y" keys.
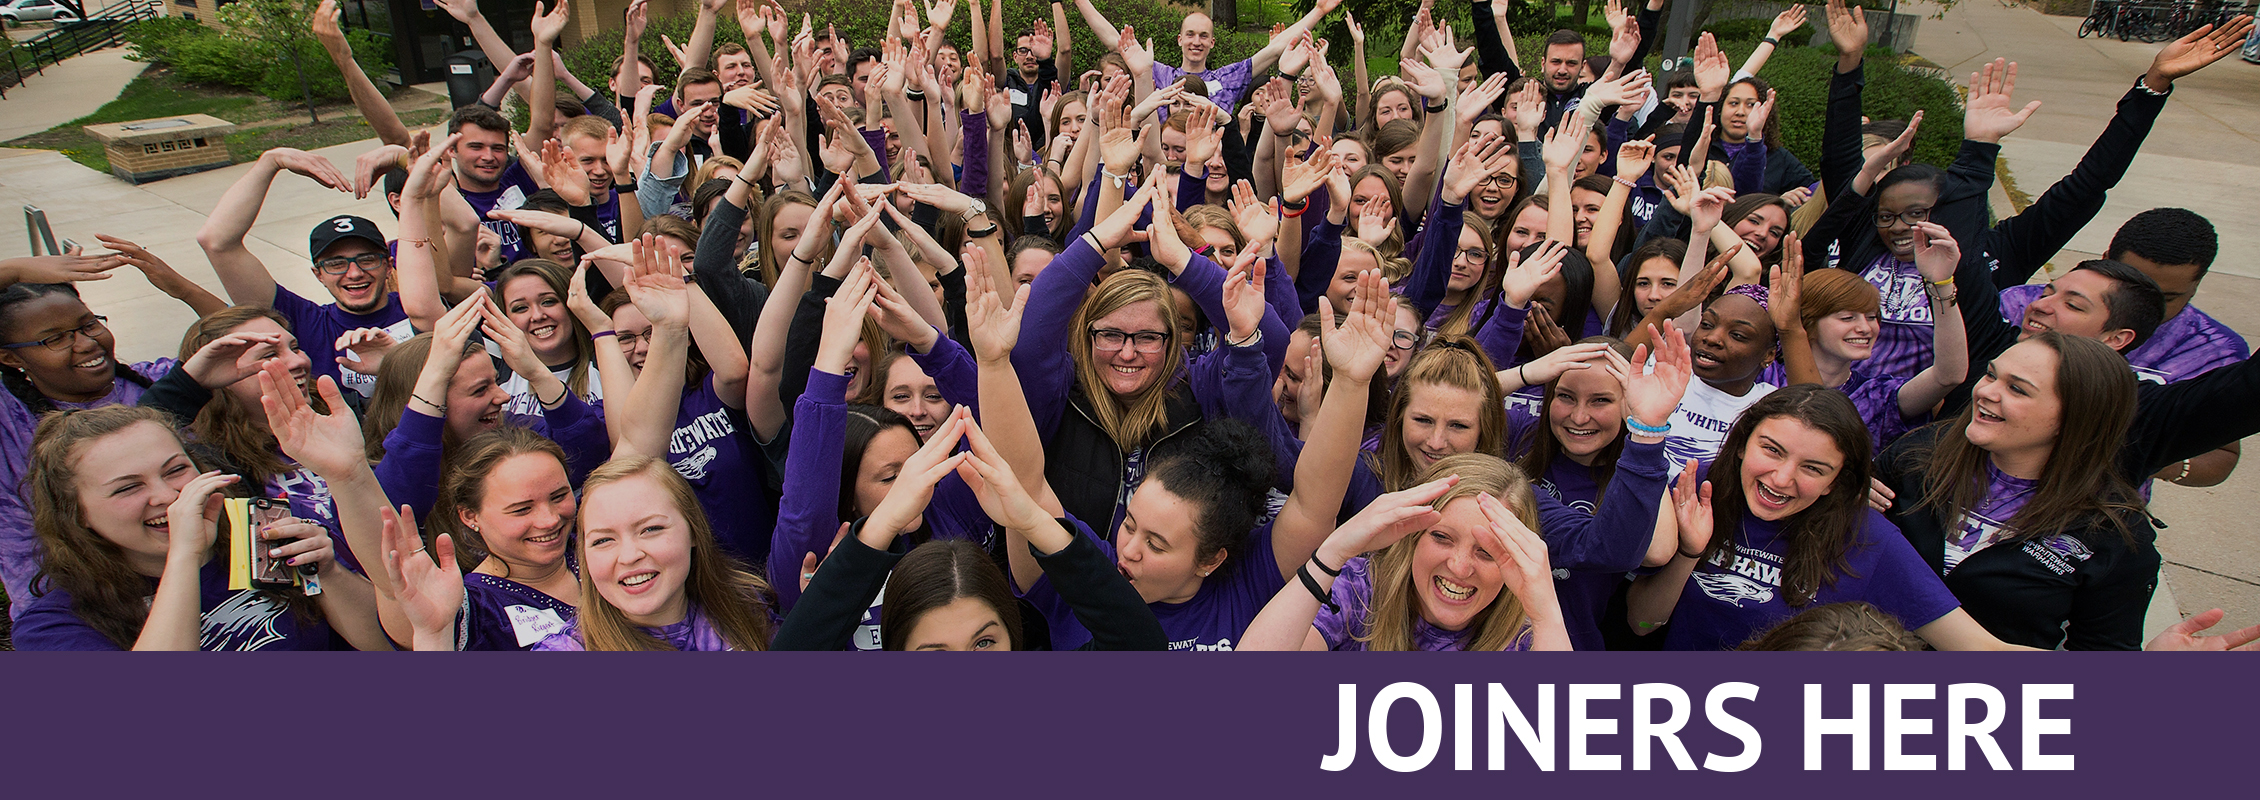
{"x": 1123, "y": 725}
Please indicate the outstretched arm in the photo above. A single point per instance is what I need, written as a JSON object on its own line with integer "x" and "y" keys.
{"x": 1109, "y": 37}
{"x": 366, "y": 99}
{"x": 1268, "y": 57}
{"x": 243, "y": 275}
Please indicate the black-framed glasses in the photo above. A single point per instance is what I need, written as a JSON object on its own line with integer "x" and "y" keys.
{"x": 1477, "y": 255}
{"x": 1107, "y": 340}
{"x": 63, "y": 341}
{"x": 1912, "y": 216}
{"x": 335, "y": 265}
{"x": 1501, "y": 180}
{"x": 1405, "y": 340}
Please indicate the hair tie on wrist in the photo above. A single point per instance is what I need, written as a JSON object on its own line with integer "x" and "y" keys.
{"x": 1324, "y": 599}
{"x": 1331, "y": 572}
{"x": 1637, "y": 426}
{"x": 600, "y": 334}
{"x": 441, "y": 407}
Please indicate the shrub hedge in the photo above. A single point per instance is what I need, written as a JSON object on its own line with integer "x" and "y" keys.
{"x": 242, "y": 60}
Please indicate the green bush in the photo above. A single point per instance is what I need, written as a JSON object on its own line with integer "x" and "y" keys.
{"x": 1752, "y": 30}
{"x": 255, "y": 53}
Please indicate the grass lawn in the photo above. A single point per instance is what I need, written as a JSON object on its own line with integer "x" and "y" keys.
{"x": 264, "y": 123}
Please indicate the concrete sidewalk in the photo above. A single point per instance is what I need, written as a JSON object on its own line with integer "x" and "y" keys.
{"x": 164, "y": 217}
{"x": 2199, "y": 156}
{"x": 75, "y": 88}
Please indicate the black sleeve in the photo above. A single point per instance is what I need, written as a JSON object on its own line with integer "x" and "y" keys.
{"x": 1790, "y": 174}
{"x": 832, "y": 606}
{"x": 1650, "y": 21}
{"x": 1239, "y": 158}
{"x": 715, "y": 268}
{"x": 801, "y": 339}
{"x": 737, "y": 137}
{"x": 1841, "y": 154}
{"x": 179, "y": 395}
{"x": 2112, "y": 602}
{"x": 1490, "y": 51}
{"x": 1839, "y": 226}
{"x": 1989, "y": 333}
{"x": 953, "y": 306}
{"x": 2021, "y": 244}
{"x": 2191, "y": 418}
{"x": 600, "y": 106}
{"x": 1094, "y": 589}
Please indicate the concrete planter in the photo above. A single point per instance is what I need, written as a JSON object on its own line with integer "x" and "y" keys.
{"x": 155, "y": 149}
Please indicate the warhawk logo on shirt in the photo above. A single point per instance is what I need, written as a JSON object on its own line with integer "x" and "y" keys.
{"x": 2061, "y": 553}
{"x": 689, "y": 446}
{"x": 1750, "y": 576}
{"x": 245, "y": 621}
{"x": 1733, "y": 589}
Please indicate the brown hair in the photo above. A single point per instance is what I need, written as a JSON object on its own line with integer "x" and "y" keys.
{"x": 1545, "y": 447}
{"x": 2080, "y": 485}
{"x": 239, "y": 434}
{"x": 770, "y": 259}
{"x": 1826, "y": 293}
{"x": 1743, "y": 206}
{"x": 1457, "y": 362}
{"x": 559, "y": 279}
{"x": 936, "y": 574}
{"x": 463, "y": 486}
{"x": 1819, "y": 538}
{"x": 736, "y": 600}
{"x": 1209, "y": 216}
{"x": 1016, "y": 198}
{"x": 1839, "y": 627}
{"x": 1394, "y": 246}
{"x": 396, "y": 381}
{"x": 1486, "y": 283}
{"x": 105, "y": 593}
{"x": 1396, "y": 603}
{"x": 1129, "y": 421}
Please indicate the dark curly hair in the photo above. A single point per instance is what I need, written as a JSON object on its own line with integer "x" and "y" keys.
{"x": 1224, "y": 467}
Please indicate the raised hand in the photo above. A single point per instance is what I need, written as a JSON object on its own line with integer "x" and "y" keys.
{"x": 192, "y": 521}
{"x": 1114, "y": 231}
{"x": 59, "y": 269}
{"x": 1783, "y": 294}
{"x": 1758, "y": 115}
{"x": 1422, "y": 78}
{"x": 1166, "y": 237}
{"x": 1299, "y": 177}
{"x": 656, "y": 284}
{"x": 463, "y": 11}
{"x": 1244, "y": 304}
{"x": 311, "y": 166}
{"x": 1936, "y": 253}
{"x": 369, "y": 168}
{"x": 330, "y": 444}
{"x": 1848, "y": 28}
{"x": 1526, "y": 572}
{"x": 221, "y": 362}
{"x": 844, "y": 313}
{"x": 991, "y": 321}
{"x": 1474, "y": 161}
{"x": 1527, "y": 110}
{"x": 1384, "y": 522}
{"x": 1626, "y": 89}
{"x": 1546, "y": 368}
{"x": 1884, "y": 159}
{"x": 2202, "y": 47}
{"x": 429, "y": 593}
{"x": 1523, "y": 277}
{"x": 1787, "y": 22}
{"x": 1542, "y": 333}
{"x": 1991, "y": 112}
{"x": 1691, "y": 293}
{"x": 1356, "y": 346}
{"x": 990, "y": 476}
{"x": 898, "y": 320}
{"x": 1691, "y": 508}
{"x": 1442, "y": 51}
{"x": 1561, "y": 149}
{"x": 1634, "y": 158}
{"x": 1258, "y": 219}
{"x": 1707, "y": 207}
{"x": 363, "y": 349}
{"x": 1202, "y": 136}
{"x": 1651, "y": 393}
{"x": 1712, "y": 70}
{"x": 1476, "y": 102}
{"x": 914, "y": 483}
{"x": 548, "y": 25}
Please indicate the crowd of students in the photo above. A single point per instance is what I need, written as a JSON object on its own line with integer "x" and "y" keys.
{"x": 951, "y": 341}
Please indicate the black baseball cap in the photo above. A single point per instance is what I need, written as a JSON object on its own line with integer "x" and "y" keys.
{"x": 343, "y": 226}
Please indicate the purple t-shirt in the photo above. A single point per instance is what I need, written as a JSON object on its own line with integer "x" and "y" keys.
{"x": 1988, "y": 522}
{"x": 317, "y": 327}
{"x": 231, "y": 620}
{"x": 1724, "y": 604}
{"x": 695, "y": 634}
{"x": 19, "y": 546}
{"x": 1214, "y": 619}
{"x": 1226, "y": 86}
{"x": 711, "y": 449}
{"x": 1876, "y": 396}
{"x": 1583, "y": 594}
{"x": 1353, "y": 593}
{"x": 510, "y": 191}
{"x": 1902, "y": 347}
{"x": 2189, "y": 345}
{"x": 503, "y": 614}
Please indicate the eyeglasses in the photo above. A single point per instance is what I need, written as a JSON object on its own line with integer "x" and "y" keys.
{"x": 1405, "y": 340}
{"x": 1109, "y": 341}
{"x": 1501, "y": 180}
{"x": 335, "y": 265}
{"x": 63, "y": 341}
{"x": 1912, "y": 216}
{"x": 628, "y": 340}
{"x": 1477, "y": 255}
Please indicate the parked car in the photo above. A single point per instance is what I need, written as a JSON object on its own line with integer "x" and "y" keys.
{"x": 35, "y": 11}
{"x": 2252, "y": 47}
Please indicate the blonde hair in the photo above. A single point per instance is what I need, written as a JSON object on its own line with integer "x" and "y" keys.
{"x": 1396, "y": 602}
{"x": 736, "y": 600}
{"x": 1457, "y": 362}
{"x": 1127, "y": 420}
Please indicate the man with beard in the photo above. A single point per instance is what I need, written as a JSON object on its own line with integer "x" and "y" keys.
{"x": 1196, "y": 37}
{"x": 350, "y": 259}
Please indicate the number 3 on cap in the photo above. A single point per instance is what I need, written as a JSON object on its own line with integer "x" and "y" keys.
{"x": 344, "y": 224}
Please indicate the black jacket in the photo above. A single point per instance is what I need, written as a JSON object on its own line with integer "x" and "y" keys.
{"x": 1089, "y": 472}
{"x": 2083, "y": 589}
{"x": 2017, "y": 247}
{"x": 828, "y": 613}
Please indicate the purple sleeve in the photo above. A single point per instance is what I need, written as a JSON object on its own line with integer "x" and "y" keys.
{"x": 1235, "y": 77}
{"x": 877, "y": 140}
{"x": 1046, "y": 372}
{"x": 1322, "y": 255}
{"x": 1089, "y": 217}
{"x": 578, "y": 428}
{"x": 808, "y": 513}
{"x": 1234, "y": 382}
{"x": 1203, "y": 280}
{"x": 1432, "y": 262}
{"x": 1900, "y": 582}
{"x": 412, "y": 464}
{"x": 975, "y": 125}
{"x": 953, "y": 372}
{"x": 1191, "y": 191}
{"x": 19, "y": 552}
{"x": 1279, "y": 291}
{"x": 1615, "y": 538}
{"x": 50, "y": 626}
{"x": 1501, "y": 334}
{"x": 1614, "y": 133}
{"x": 1749, "y": 168}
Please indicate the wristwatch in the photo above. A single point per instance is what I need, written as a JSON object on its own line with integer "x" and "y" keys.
{"x": 977, "y": 209}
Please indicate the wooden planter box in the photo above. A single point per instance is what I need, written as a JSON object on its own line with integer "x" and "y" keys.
{"x": 155, "y": 149}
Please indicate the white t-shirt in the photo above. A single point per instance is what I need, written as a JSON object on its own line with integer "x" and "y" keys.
{"x": 522, "y": 400}
{"x": 1700, "y": 424}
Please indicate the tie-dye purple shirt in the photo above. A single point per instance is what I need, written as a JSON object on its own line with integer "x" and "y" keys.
{"x": 695, "y": 634}
{"x": 1353, "y": 594}
{"x": 2189, "y": 345}
{"x": 1876, "y": 396}
{"x": 1903, "y": 346}
{"x": 1988, "y": 522}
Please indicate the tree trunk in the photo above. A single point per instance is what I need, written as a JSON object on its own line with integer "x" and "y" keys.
{"x": 1225, "y": 14}
{"x": 1579, "y": 10}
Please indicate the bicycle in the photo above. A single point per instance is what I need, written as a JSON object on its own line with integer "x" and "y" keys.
{"x": 2099, "y": 18}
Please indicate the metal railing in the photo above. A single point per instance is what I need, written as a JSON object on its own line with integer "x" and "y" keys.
{"x": 35, "y": 228}
{"x": 105, "y": 28}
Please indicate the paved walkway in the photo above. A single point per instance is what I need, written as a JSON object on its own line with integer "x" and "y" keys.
{"x": 75, "y": 88}
{"x": 2200, "y": 156}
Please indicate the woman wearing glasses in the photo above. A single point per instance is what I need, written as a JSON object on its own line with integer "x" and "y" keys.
{"x": 57, "y": 354}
